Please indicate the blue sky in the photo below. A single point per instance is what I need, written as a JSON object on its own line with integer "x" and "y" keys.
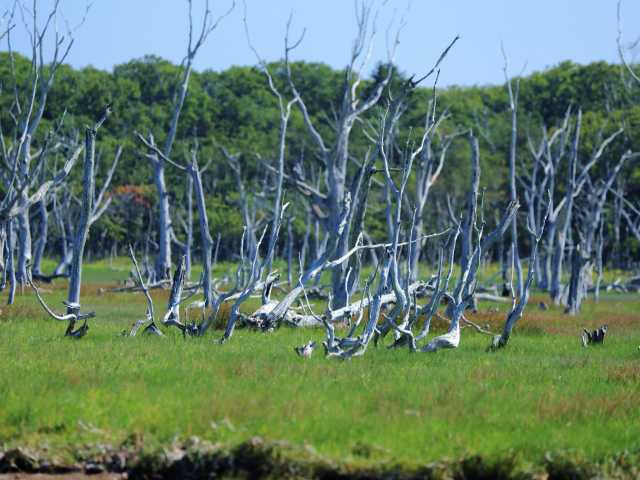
{"x": 538, "y": 33}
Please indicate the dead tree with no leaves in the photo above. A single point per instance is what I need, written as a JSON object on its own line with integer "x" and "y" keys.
{"x": 519, "y": 303}
{"x": 166, "y": 235}
{"x": 91, "y": 208}
{"x": 471, "y": 253}
{"x": 27, "y": 110}
{"x": 588, "y": 222}
{"x": 333, "y": 156}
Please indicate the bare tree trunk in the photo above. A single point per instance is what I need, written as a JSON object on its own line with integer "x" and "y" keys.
{"x": 87, "y": 213}
{"x": 82, "y": 229}
{"x": 599, "y": 260}
{"x": 576, "y": 292}
{"x": 163, "y": 259}
{"x": 165, "y": 232}
{"x": 334, "y": 158}
{"x": 11, "y": 271}
{"x": 205, "y": 235}
{"x": 513, "y": 194}
{"x": 41, "y": 243}
{"x": 189, "y": 242}
{"x": 520, "y": 303}
{"x": 24, "y": 226}
{"x": 427, "y": 172}
{"x": 289, "y": 252}
{"x": 557, "y": 258}
{"x": 3, "y": 258}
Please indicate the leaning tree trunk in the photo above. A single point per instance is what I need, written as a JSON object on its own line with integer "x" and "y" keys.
{"x": 520, "y": 303}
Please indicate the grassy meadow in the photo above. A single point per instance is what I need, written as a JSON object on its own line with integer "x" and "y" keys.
{"x": 544, "y": 393}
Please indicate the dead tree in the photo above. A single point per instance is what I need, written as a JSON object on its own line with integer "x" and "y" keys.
{"x": 194, "y": 172}
{"x": 166, "y": 235}
{"x": 27, "y": 111}
{"x": 541, "y": 183}
{"x": 573, "y": 188}
{"x": 403, "y": 297}
{"x": 247, "y": 209}
{"x": 15, "y": 204}
{"x": 622, "y": 48}
{"x": 91, "y": 209}
{"x": 519, "y": 303}
{"x": 513, "y": 193}
{"x": 260, "y": 267}
{"x": 206, "y": 242}
{"x": 588, "y": 222}
{"x": 561, "y": 233}
{"x": 151, "y": 327}
{"x": 241, "y": 291}
{"x": 391, "y": 268}
{"x": 350, "y": 216}
{"x": 428, "y": 169}
{"x": 470, "y": 254}
{"x": 333, "y": 158}
{"x": 389, "y": 274}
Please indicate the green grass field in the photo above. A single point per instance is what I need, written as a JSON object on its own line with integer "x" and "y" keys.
{"x": 544, "y": 393}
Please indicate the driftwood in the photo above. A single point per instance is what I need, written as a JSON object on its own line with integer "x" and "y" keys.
{"x": 162, "y": 284}
{"x": 72, "y": 316}
{"x": 295, "y": 319}
{"x": 306, "y": 350}
{"x": 595, "y": 337}
{"x": 152, "y": 328}
{"x": 488, "y": 297}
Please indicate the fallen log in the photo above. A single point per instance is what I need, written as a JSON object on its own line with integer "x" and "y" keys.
{"x": 594, "y": 337}
{"x": 487, "y": 297}
{"x": 294, "y": 319}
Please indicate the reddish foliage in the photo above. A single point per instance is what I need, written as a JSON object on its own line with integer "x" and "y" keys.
{"x": 138, "y": 194}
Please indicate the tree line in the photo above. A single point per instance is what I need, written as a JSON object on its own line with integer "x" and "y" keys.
{"x": 235, "y": 108}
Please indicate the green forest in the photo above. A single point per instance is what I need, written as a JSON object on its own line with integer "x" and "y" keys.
{"x": 235, "y": 109}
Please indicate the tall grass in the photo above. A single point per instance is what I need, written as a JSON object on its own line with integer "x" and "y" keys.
{"x": 543, "y": 393}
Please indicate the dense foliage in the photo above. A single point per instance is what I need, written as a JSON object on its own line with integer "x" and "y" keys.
{"x": 236, "y": 109}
